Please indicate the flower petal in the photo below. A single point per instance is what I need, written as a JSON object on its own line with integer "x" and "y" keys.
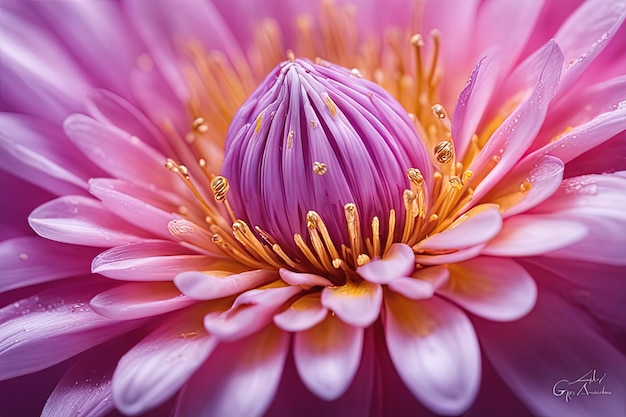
{"x": 38, "y": 152}
{"x": 565, "y": 346}
{"x": 399, "y": 261}
{"x": 117, "y": 152}
{"x": 124, "y": 200}
{"x": 534, "y": 234}
{"x": 81, "y": 221}
{"x": 158, "y": 366}
{"x": 356, "y": 304}
{"x": 139, "y": 300}
{"x": 435, "y": 351}
{"x": 210, "y": 285}
{"x": 34, "y": 332}
{"x": 148, "y": 260}
{"x": 31, "y": 260}
{"x": 250, "y": 312}
{"x": 494, "y": 288}
{"x": 514, "y": 136}
{"x": 239, "y": 379}
{"x": 452, "y": 257}
{"x": 304, "y": 313}
{"x": 422, "y": 284}
{"x": 585, "y": 34}
{"x": 597, "y": 202}
{"x": 327, "y": 357}
{"x": 86, "y": 387}
{"x": 477, "y": 226}
{"x": 512, "y": 194}
{"x": 303, "y": 279}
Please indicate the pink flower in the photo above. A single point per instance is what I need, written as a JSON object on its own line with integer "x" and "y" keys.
{"x": 380, "y": 208}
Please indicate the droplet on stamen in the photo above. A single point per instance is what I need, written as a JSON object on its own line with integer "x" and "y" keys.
{"x": 444, "y": 152}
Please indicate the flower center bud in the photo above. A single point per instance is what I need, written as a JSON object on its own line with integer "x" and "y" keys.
{"x": 316, "y": 142}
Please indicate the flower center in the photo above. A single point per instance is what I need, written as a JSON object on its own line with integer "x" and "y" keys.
{"x": 219, "y": 85}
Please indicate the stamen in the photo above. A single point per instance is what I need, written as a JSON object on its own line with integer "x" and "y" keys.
{"x": 220, "y": 187}
{"x": 352, "y": 219}
{"x": 444, "y": 152}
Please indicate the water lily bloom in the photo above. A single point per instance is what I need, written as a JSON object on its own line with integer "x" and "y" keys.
{"x": 386, "y": 208}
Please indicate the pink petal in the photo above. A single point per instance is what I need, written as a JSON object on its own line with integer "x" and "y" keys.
{"x": 327, "y": 357}
{"x": 555, "y": 342}
{"x": 533, "y": 234}
{"x": 585, "y": 34}
{"x": 85, "y": 389}
{"x": 123, "y": 156}
{"x": 507, "y": 24}
{"x": 457, "y": 256}
{"x": 250, "y": 312}
{"x": 38, "y": 76}
{"x": 607, "y": 158}
{"x": 158, "y": 366}
{"x": 304, "y": 313}
{"x": 139, "y": 300}
{"x": 303, "y": 279}
{"x": 210, "y": 285}
{"x": 239, "y": 379}
{"x": 148, "y": 260}
{"x": 81, "y": 221}
{"x": 94, "y": 38}
{"x": 52, "y": 326}
{"x": 545, "y": 178}
{"x": 477, "y": 226}
{"x": 356, "y": 304}
{"x": 110, "y": 108}
{"x": 473, "y": 100}
{"x": 494, "y": 288}
{"x": 31, "y": 260}
{"x": 597, "y": 202}
{"x": 399, "y": 261}
{"x": 422, "y": 284}
{"x": 38, "y": 152}
{"x": 582, "y": 138}
{"x": 124, "y": 200}
{"x": 435, "y": 351}
{"x": 515, "y": 135}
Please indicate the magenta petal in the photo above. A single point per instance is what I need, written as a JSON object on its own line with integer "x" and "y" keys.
{"x": 139, "y": 300}
{"x": 565, "y": 346}
{"x": 422, "y": 283}
{"x": 31, "y": 260}
{"x": 210, "y": 286}
{"x": 250, "y": 312}
{"x": 327, "y": 357}
{"x": 87, "y": 385}
{"x": 399, "y": 261}
{"x": 475, "y": 227}
{"x": 38, "y": 152}
{"x": 435, "y": 351}
{"x": 239, "y": 379}
{"x": 356, "y": 304}
{"x": 597, "y": 202}
{"x": 515, "y": 135}
{"x": 498, "y": 289}
{"x": 158, "y": 366}
{"x": 52, "y": 326}
{"x": 473, "y": 100}
{"x": 124, "y": 199}
{"x": 585, "y": 34}
{"x": 123, "y": 156}
{"x": 148, "y": 260}
{"x": 81, "y": 221}
{"x": 303, "y": 279}
{"x": 534, "y": 234}
{"x": 302, "y": 314}
{"x": 458, "y": 256}
{"x": 545, "y": 178}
